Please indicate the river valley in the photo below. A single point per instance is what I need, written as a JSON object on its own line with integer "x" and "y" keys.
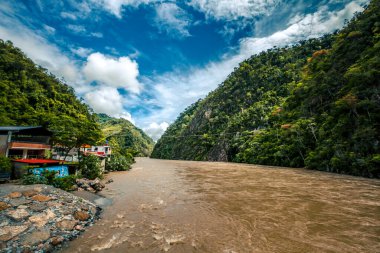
{"x": 182, "y": 206}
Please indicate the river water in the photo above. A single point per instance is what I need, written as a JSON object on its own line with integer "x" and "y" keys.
{"x": 177, "y": 206}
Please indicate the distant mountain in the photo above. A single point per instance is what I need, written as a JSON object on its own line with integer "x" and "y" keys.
{"x": 314, "y": 104}
{"x": 124, "y": 135}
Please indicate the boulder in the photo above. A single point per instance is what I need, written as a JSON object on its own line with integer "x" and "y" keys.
{"x": 66, "y": 224}
{"x": 18, "y": 214}
{"x": 8, "y": 232}
{"x": 36, "y": 237}
{"x": 39, "y": 220}
{"x": 3, "y": 206}
{"x": 37, "y": 207}
{"x": 19, "y": 201}
{"x": 81, "y": 215}
{"x": 14, "y": 195}
{"x": 29, "y": 193}
{"x": 41, "y": 198}
{"x": 57, "y": 240}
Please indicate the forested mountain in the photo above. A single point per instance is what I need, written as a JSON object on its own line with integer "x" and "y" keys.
{"x": 314, "y": 104}
{"x": 29, "y": 95}
{"x": 123, "y": 135}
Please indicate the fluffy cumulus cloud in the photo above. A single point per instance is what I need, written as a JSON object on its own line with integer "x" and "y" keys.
{"x": 107, "y": 100}
{"x": 233, "y": 10}
{"x": 155, "y": 130}
{"x": 115, "y": 72}
{"x": 172, "y": 20}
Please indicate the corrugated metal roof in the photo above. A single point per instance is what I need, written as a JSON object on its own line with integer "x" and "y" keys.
{"x": 17, "y": 128}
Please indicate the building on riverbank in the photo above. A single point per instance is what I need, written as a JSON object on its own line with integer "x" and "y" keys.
{"x": 24, "y": 142}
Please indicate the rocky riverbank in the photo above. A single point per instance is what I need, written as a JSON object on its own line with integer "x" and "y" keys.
{"x": 39, "y": 218}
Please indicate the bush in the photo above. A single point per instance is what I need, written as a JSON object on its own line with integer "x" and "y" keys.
{"x": 65, "y": 183}
{"x": 118, "y": 163}
{"x": 5, "y": 164}
{"x": 34, "y": 179}
{"x": 49, "y": 175}
{"x": 90, "y": 167}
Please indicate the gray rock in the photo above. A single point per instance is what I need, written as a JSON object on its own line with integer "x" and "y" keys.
{"x": 36, "y": 237}
{"x": 8, "y": 232}
{"x": 19, "y": 201}
{"x": 66, "y": 224}
{"x": 37, "y": 207}
{"x": 18, "y": 214}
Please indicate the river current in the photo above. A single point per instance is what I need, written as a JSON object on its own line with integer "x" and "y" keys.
{"x": 181, "y": 206}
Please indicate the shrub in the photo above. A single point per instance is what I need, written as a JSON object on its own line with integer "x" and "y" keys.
{"x": 34, "y": 179}
{"x": 49, "y": 175}
{"x": 90, "y": 167}
{"x": 5, "y": 164}
{"x": 64, "y": 183}
{"x": 119, "y": 163}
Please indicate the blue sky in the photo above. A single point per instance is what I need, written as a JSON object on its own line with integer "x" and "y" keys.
{"x": 147, "y": 60}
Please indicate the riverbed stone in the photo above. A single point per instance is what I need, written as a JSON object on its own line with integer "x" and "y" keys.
{"x": 18, "y": 214}
{"x": 41, "y": 219}
{"x": 4, "y": 206}
{"x": 82, "y": 216}
{"x": 36, "y": 237}
{"x": 66, "y": 224}
{"x": 57, "y": 240}
{"x": 19, "y": 201}
{"x": 41, "y": 198}
{"x": 37, "y": 207}
{"x": 13, "y": 195}
{"x": 8, "y": 232}
{"x": 29, "y": 193}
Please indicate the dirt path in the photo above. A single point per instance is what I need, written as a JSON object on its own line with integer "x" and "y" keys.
{"x": 177, "y": 206}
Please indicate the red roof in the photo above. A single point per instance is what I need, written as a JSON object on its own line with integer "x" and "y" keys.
{"x": 36, "y": 161}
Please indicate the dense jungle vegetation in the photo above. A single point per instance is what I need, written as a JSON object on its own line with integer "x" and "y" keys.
{"x": 315, "y": 104}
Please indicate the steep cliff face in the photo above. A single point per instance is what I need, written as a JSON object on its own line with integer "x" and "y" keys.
{"x": 314, "y": 104}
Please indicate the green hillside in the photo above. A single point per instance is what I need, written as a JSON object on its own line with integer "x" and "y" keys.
{"x": 314, "y": 104}
{"x": 29, "y": 95}
{"x": 123, "y": 135}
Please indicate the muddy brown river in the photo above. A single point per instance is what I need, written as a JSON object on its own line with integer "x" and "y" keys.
{"x": 178, "y": 206}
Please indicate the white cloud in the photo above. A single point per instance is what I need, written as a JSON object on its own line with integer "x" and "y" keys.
{"x": 82, "y": 31}
{"x": 172, "y": 20}
{"x": 97, "y": 34}
{"x": 105, "y": 100}
{"x": 125, "y": 115}
{"x": 81, "y": 51}
{"x": 68, "y": 15}
{"x": 108, "y": 100}
{"x": 155, "y": 130}
{"x": 49, "y": 29}
{"x": 120, "y": 72}
{"x": 233, "y": 10}
{"x": 78, "y": 29}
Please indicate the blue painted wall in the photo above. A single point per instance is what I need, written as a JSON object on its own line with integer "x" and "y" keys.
{"x": 62, "y": 170}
